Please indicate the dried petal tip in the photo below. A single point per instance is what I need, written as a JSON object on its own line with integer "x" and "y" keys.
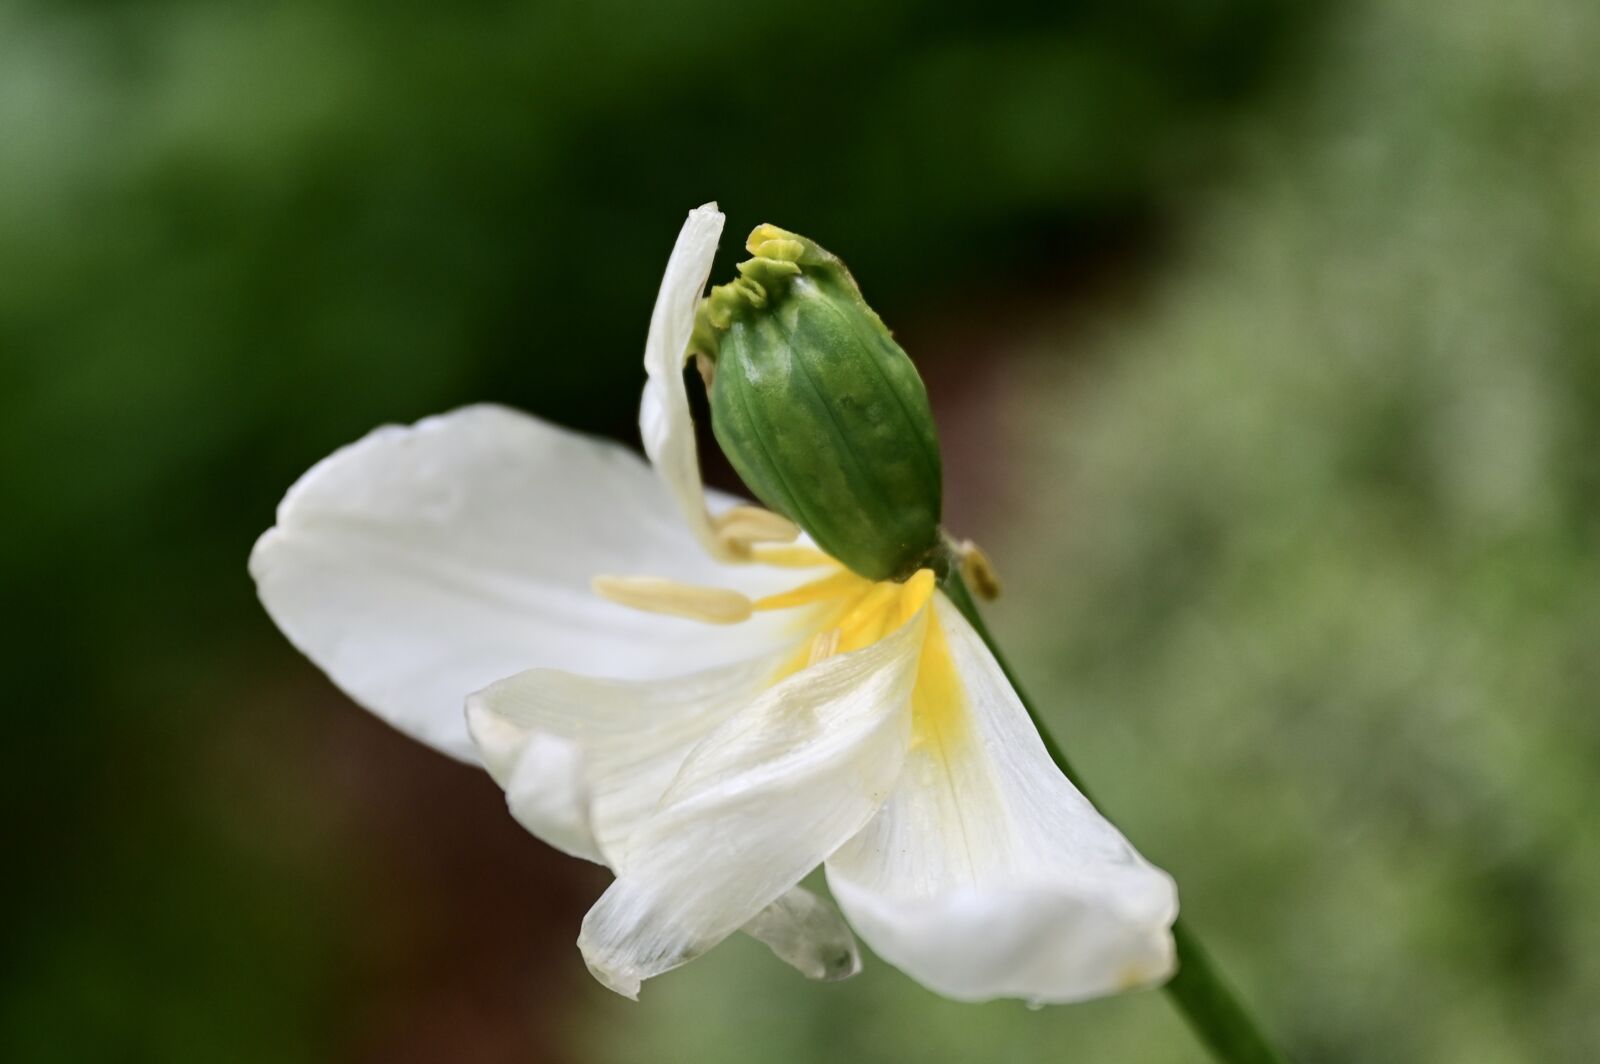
{"x": 819, "y": 410}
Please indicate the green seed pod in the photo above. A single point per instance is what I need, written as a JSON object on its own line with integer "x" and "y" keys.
{"x": 819, "y": 410}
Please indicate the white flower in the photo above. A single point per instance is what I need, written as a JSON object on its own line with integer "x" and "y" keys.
{"x": 762, "y": 710}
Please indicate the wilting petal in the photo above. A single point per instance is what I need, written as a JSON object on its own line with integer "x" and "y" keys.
{"x": 629, "y": 738}
{"x": 664, "y": 420}
{"x": 808, "y": 933}
{"x": 421, "y": 563}
{"x": 756, "y": 806}
{"x": 584, "y": 762}
{"x": 987, "y": 874}
{"x": 545, "y": 781}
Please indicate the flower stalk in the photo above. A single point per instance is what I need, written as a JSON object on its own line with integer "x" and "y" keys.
{"x": 1198, "y": 991}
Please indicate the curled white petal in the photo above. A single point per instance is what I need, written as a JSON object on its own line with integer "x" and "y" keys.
{"x": 756, "y": 806}
{"x": 585, "y": 761}
{"x": 548, "y": 793}
{"x": 421, "y": 563}
{"x": 633, "y": 737}
{"x": 987, "y": 874}
{"x": 665, "y": 423}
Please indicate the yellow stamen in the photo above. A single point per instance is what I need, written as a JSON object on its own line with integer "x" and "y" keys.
{"x": 829, "y": 587}
{"x": 884, "y": 608}
{"x": 713, "y": 605}
{"x": 791, "y": 557}
{"x": 978, "y": 571}
{"x": 859, "y": 615}
{"x": 743, "y": 526}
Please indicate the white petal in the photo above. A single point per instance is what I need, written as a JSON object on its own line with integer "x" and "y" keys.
{"x": 664, "y": 420}
{"x": 807, "y": 932}
{"x": 987, "y": 874}
{"x": 421, "y": 563}
{"x": 548, "y": 793}
{"x": 754, "y": 808}
{"x": 585, "y": 761}
{"x": 630, "y": 738}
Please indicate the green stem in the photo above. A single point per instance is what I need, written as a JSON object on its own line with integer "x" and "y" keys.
{"x": 1198, "y": 990}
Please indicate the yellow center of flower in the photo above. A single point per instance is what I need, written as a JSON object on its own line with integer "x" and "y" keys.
{"x": 843, "y": 612}
{"x": 849, "y": 612}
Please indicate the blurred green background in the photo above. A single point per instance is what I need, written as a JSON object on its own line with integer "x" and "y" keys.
{"x": 1265, "y": 343}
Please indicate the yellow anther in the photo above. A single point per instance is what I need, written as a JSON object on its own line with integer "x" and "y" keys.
{"x": 829, "y": 587}
{"x": 791, "y": 557}
{"x": 713, "y": 605}
{"x": 978, "y": 571}
{"x": 743, "y": 526}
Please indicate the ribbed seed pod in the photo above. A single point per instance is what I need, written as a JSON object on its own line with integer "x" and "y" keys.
{"x": 819, "y": 410}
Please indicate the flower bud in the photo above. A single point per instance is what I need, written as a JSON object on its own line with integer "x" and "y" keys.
{"x": 819, "y": 410}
